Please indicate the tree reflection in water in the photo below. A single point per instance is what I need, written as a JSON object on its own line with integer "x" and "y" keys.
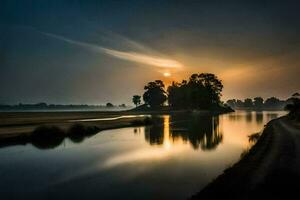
{"x": 154, "y": 134}
{"x": 259, "y": 117}
{"x": 200, "y": 131}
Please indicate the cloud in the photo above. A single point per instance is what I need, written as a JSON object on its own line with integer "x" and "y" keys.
{"x": 142, "y": 58}
{"x": 138, "y": 57}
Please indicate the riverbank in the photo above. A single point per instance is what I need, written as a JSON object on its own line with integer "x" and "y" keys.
{"x": 17, "y": 127}
{"x": 270, "y": 169}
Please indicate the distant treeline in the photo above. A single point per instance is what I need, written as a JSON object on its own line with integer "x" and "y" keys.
{"x": 258, "y": 103}
{"x": 41, "y": 106}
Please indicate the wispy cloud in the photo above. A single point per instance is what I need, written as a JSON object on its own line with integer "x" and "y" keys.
{"x": 143, "y": 58}
{"x": 138, "y": 57}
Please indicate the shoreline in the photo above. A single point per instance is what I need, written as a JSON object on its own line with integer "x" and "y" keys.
{"x": 17, "y": 127}
{"x": 269, "y": 169}
{"x": 27, "y": 137}
{"x": 23, "y": 132}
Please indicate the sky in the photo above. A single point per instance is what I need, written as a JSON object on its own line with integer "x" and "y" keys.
{"x": 93, "y": 52}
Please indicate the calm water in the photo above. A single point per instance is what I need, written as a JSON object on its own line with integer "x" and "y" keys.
{"x": 174, "y": 158}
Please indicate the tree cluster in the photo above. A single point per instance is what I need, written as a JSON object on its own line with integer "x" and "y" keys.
{"x": 200, "y": 91}
{"x": 257, "y": 103}
{"x": 155, "y": 94}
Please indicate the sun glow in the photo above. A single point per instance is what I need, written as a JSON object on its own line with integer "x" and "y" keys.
{"x": 167, "y": 74}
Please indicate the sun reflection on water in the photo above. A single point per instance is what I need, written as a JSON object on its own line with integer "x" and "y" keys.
{"x": 171, "y": 136}
{"x": 167, "y": 143}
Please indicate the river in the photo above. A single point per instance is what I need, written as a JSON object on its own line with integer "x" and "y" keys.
{"x": 172, "y": 159}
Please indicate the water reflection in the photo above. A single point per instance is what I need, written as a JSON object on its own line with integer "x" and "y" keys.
{"x": 259, "y": 117}
{"x": 50, "y": 137}
{"x": 234, "y": 117}
{"x": 248, "y": 116}
{"x": 47, "y": 139}
{"x": 200, "y": 131}
{"x": 155, "y": 134}
{"x": 137, "y": 130}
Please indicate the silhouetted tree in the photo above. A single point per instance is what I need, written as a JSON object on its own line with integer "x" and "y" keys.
{"x": 136, "y": 99}
{"x": 274, "y": 103}
{"x": 178, "y": 95}
{"x": 155, "y": 94}
{"x": 258, "y": 102}
{"x": 109, "y": 105}
{"x": 248, "y": 103}
{"x": 239, "y": 103}
{"x": 201, "y": 91}
{"x": 232, "y": 103}
{"x": 213, "y": 86}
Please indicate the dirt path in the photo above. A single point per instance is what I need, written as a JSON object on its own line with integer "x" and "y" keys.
{"x": 270, "y": 170}
{"x": 295, "y": 135}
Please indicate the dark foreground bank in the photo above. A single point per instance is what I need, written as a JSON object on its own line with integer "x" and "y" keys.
{"x": 271, "y": 169}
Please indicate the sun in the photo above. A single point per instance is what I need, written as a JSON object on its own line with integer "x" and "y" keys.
{"x": 166, "y": 74}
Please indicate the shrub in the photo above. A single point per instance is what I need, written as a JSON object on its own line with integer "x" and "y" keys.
{"x": 47, "y": 137}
